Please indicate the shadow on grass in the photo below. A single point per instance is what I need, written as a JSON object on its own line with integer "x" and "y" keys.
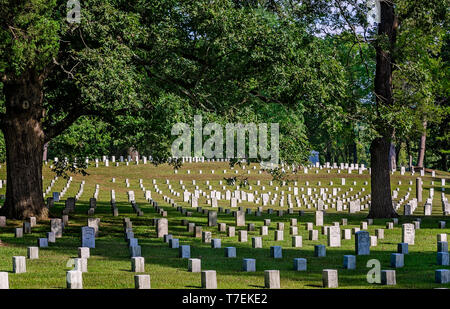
{"x": 258, "y": 286}
{"x": 111, "y": 245}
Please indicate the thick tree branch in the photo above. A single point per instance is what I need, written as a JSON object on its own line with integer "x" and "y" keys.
{"x": 58, "y": 128}
{"x": 69, "y": 73}
{"x": 265, "y": 99}
{"x": 180, "y": 85}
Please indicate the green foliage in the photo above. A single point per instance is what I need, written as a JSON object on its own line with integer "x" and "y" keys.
{"x": 402, "y": 158}
{"x": 420, "y": 79}
{"x": 294, "y": 145}
{"x": 279, "y": 175}
{"x": 69, "y": 166}
{"x": 132, "y": 69}
{"x": 87, "y": 137}
{"x": 228, "y": 63}
{"x": 29, "y": 37}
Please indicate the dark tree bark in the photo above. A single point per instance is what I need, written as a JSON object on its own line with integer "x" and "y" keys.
{"x": 381, "y": 200}
{"x": 328, "y": 152}
{"x": 444, "y": 162}
{"x": 397, "y": 152}
{"x": 327, "y": 155}
{"x": 355, "y": 152}
{"x": 422, "y": 145}
{"x": 24, "y": 138}
{"x": 347, "y": 153}
{"x": 343, "y": 154}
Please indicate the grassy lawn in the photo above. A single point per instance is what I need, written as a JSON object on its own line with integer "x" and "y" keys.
{"x": 110, "y": 267}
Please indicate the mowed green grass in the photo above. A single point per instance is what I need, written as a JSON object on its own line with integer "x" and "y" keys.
{"x": 110, "y": 265}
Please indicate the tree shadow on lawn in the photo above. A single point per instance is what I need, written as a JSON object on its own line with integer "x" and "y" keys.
{"x": 111, "y": 245}
{"x": 214, "y": 259}
{"x": 258, "y": 286}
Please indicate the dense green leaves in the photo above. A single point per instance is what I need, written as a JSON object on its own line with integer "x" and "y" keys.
{"x": 29, "y": 35}
{"x": 132, "y": 69}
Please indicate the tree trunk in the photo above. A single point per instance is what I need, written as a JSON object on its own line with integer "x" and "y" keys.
{"x": 328, "y": 153}
{"x": 397, "y": 152}
{"x": 381, "y": 199}
{"x": 422, "y": 144}
{"x": 444, "y": 162}
{"x": 24, "y": 139}
{"x": 343, "y": 155}
{"x": 347, "y": 153}
{"x": 327, "y": 156}
{"x": 355, "y": 152}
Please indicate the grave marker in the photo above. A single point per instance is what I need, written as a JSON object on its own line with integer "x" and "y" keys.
{"x": 33, "y": 253}
{"x": 142, "y": 282}
{"x": 162, "y": 227}
{"x": 330, "y": 278}
{"x": 334, "y": 236}
{"x": 272, "y": 279}
{"x": 74, "y": 279}
{"x": 209, "y": 280}
{"x": 300, "y": 264}
{"x": 4, "y": 281}
{"x": 249, "y": 265}
{"x": 362, "y": 243}
{"x": 19, "y": 264}
{"x": 194, "y": 265}
{"x": 408, "y": 233}
{"x": 87, "y": 237}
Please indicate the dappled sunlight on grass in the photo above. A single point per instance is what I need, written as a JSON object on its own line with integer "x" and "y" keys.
{"x": 110, "y": 267}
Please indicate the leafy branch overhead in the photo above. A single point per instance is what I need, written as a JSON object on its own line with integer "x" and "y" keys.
{"x": 64, "y": 168}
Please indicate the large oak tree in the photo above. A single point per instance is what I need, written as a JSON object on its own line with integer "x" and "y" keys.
{"x": 407, "y": 35}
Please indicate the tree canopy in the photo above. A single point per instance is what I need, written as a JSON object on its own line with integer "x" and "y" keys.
{"x": 129, "y": 70}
